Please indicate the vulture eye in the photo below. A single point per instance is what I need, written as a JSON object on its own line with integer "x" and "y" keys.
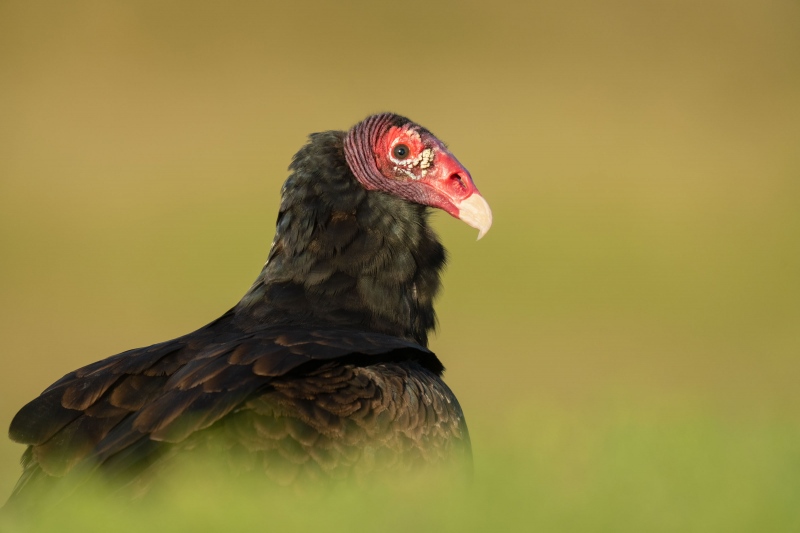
{"x": 400, "y": 151}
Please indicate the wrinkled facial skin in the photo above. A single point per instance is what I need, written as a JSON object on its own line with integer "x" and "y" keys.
{"x": 408, "y": 154}
{"x": 404, "y": 159}
{"x": 404, "y": 154}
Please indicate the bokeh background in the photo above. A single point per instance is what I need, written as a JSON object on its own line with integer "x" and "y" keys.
{"x": 624, "y": 341}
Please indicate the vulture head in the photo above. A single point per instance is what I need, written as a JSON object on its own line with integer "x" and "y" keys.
{"x": 390, "y": 153}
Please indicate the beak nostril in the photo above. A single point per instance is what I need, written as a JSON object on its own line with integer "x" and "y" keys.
{"x": 458, "y": 179}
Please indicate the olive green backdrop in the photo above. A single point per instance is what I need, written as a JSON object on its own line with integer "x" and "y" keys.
{"x": 642, "y": 159}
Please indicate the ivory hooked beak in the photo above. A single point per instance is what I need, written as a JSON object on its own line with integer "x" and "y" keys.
{"x": 476, "y": 212}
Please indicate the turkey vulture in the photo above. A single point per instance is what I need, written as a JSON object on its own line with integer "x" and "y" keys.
{"x": 322, "y": 370}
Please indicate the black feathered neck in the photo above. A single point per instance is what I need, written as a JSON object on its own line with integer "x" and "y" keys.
{"x": 344, "y": 256}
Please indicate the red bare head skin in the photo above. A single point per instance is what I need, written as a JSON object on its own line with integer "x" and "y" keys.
{"x": 390, "y": 153}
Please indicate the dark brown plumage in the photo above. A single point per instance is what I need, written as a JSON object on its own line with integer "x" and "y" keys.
{"x": 322, "y": 367}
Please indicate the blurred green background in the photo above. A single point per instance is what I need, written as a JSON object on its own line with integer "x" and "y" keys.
{"x": 624, "y": 341}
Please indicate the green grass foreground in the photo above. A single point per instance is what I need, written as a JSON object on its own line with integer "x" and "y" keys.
{"x": 544, "y": 472}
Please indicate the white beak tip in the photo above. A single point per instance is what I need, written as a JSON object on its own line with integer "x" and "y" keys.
{"x": 476, "y": 212}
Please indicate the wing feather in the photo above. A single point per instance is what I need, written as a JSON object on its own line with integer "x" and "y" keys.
{"x": 141, "y": 401}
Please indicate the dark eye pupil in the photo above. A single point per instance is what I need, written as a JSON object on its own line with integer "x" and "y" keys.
{"x": 400, "y": 151}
